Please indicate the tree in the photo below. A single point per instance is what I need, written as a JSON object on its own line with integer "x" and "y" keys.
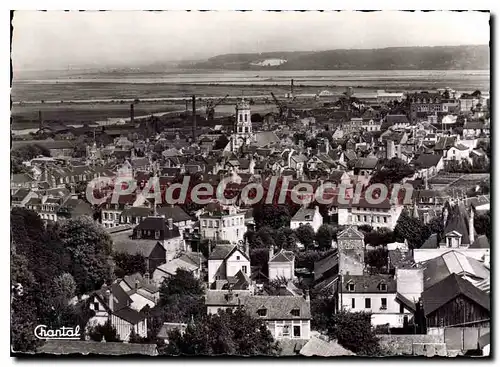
{"x": 393, "y": 171}
{"x": 90, "y": 248}
{"x": 286, "y": 238}
{"x": 64, "y": 287}
{"x": 226, "y": 333}
{"x": 353, "y": 330}
{"x": 106, "y": 331}
{"x": 412, "y": 229}
{"x": 305, "y": 234}
{"x": 381, "y": 236}
{"x": 482, "y": 224}
{"x": 126, "y": 264}
{"x": 377, "y": 259}
{"x": 323, "y": 307}
{"x": 325, "y": 236}
{"x": 274, "y": 216}
{"x": 266, "y": 235}
{"x": 260, "y": 257}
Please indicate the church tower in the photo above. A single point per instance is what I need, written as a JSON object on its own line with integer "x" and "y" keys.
{"x": 351, "y": 247}
{"x": 243, "y": 130}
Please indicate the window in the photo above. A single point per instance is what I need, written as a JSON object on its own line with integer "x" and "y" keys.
{"x": 350, "y": 287}
{"x": 216, "y": 223}
{"x": 368, "y": 303}
{"x": 296, "y": 331}
{"x": 244, "y": 269}
{"x": 204, "y": 223}
{"x": 96, "y": 306}
{"x": 385, "y": 219}
{"x": 246, "y": 118}
{"x": 384, "y": 304}
{"x": 383, "y": 287}
{"x": 262, "y": 312}
{"x": 157, "y": 235}
{"x": 210, "y": 224}
{"x": 296, "y": 312}
{"x": 237, "y": 257}
{"x": 353, "y": 303}
{"x": 286, "y": 330}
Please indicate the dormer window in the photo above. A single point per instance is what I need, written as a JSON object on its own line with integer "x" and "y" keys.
{"x": 308, "y": 217}
{"x": 296, "y": 312}
{"x": 383, "y": 287}
{"x": 350, "y": 287}
{"x": 262, "y": 312}
{"x": 157, "y": 235}
{"x": 139, "y": 233}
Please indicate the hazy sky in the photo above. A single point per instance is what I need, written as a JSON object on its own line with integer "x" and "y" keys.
{"x": 57, "y": 39}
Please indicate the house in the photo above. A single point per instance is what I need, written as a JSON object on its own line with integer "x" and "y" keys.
{"x": 22, "y": 196}
{"x": 454, "y": 262}
{"x": 225, "y": 261}
{"x": 326, "y": 272}
{"x": 456, "y": 302}
{"x": 424, "y": 103}
{"x": 397, "y": 122}
{"x": 286, "y": 317}
{"x": 165, "y": 232}
{"x": 281, "y": 265}
{"x": 220, "y": 223}
{"x": 179, "y": 217}
{"x": 152, "y": 250}
{"x": 365, "y": 166}
{"x": 458, "y": 153}
{"x": 307, "y": 216}
{"x": 428, "y": 165}
{"x": 383, "y": 214}
{"x": 376, "y": 294}
{"x": 475, "y": 129}
{"x": 113, "y": 304}
{"x": 191, "y": 262}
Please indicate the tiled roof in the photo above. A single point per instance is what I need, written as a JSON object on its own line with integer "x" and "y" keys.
{"x": 170, "y": 326}
{"x": 427, "y": 160}
{"x": 405, "y": 301}
{"x": 127, "y": 245}
{"x": 278, "y": 307}
{"x": 283, "y": 256}
{"x": 452, "y": 262}
{"x": 325, "y": 264}
{"x": 143, "y": 283}
{"x": 369, "y": 283}
{"x": 450, "y": 288}
{"x": 351, "y": 232}
{"x": 174, "y": 212}
{"x": 172, "y": 266}
{"x": 304, "y": 214}
{"x": 222, "y": 251}
{"x": 96, "y": 348}
{"x": 265, "y": 138}
{"x": 130, "y": 315}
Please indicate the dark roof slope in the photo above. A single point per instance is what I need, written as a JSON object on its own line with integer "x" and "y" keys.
{"x": 450, "y": 288}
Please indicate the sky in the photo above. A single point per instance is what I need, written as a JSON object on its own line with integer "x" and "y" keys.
{"x": 55, "y": 40}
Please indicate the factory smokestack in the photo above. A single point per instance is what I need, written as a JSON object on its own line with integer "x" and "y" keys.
{"x": 132, "y": 113}
{"x": 194, "y": 119}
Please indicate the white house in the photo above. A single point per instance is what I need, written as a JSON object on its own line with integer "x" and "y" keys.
{"x": 286, "y": 317}
{"x": 281, "y": 265}
{"x": 223, "y": 224}
{"x": 307, "y": 216}
{"x": 376, "y": 294}
{"x": 458, "y": 153}
{"x": 225, "y": 261}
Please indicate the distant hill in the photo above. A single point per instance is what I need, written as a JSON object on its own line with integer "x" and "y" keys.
{"x": 476, "y": 57}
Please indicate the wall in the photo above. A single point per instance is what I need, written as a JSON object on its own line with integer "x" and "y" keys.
{"x": 233, "y": 265}
{"x": 276, "y": 327}
{"x": 277, "y": 270}
{"x": 215, "y": 268}
{"x": 390, "y": 315}
{"x": 410, "y": 283}
{"x": 404, "y": 344}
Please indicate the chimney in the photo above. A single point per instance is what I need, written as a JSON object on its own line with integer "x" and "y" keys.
{"x": 137, "y": 284}
{"x": 110, "y": 300}
{"x": 194, "y": 118}
{"x": 271, "y": 252}
{"x": 170, "y": 222}
{"x": 390, "y": 149}
{"x": 471, "y": 226}
{"x": 132, "y": 113}
{"x": 306, "y": 294}
{"x": 487, "y": 258}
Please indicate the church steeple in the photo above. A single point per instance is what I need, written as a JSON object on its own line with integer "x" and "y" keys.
{"x": 243, "y": 127}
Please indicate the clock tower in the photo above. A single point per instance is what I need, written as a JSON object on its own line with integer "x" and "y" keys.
{"x": 243, "y": 128}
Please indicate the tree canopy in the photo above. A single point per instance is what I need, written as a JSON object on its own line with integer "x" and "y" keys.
{"x": 229, "y": 332}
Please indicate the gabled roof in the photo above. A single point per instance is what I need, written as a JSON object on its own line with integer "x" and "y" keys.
{"x": 304, "y": 215}
{"x": 406, "y": 302}
{"x": 325, "y": 264}
{"x": 283, "y": 256}
{"x": 448, "y": 289}
{"x": 222, "y": 252}
{"x": 369, "y": 283}
{"x": 452, "y": 262}
{"x": 127, "y": 245}
{"x": 351, "y": 232}
{"x": 427, "y": 160}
